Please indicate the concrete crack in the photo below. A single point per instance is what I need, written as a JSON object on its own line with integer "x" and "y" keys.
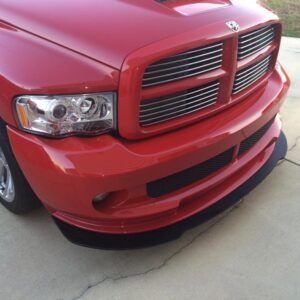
{"x": 292, "y": 162}
{"x": 163, "y": 264}
{"x": 181, "y": 249}
{"x": 295, "y": 144}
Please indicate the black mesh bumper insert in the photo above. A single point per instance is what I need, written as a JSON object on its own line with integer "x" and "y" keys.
{"x": 179, "y": 180}
{"x": 247, "y": 144}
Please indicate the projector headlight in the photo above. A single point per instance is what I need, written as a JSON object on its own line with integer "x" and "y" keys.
{"x": 63, "y": 115}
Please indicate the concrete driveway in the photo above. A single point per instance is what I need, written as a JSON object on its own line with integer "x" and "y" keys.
{"x": 250, "y": 252}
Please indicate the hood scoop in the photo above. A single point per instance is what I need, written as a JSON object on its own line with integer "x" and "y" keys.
{"x": 192, "y": 7}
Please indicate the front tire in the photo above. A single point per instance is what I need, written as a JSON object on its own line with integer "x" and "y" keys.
{"x": 15, "y": 193}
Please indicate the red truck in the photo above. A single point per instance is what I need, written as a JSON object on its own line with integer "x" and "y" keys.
{"x": 133, "y": 120}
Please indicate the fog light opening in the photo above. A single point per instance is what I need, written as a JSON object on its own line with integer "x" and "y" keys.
{"x": 100, "y": 198}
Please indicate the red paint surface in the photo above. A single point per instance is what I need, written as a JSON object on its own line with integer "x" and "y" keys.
{"x": 105, "y": 46}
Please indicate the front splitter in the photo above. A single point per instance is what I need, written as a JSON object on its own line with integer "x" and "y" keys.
{"x": 151, "y": 238}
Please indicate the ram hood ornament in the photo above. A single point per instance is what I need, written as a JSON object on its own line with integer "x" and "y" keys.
{"x": 234, "y": 26}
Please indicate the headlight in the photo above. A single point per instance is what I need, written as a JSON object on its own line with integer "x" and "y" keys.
{"x": 67, "y": 114}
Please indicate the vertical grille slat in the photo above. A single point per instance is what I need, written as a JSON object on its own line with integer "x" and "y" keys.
{"x": 184, "y": 65}
{"x": 172, "y": 106}
{"x": 254, "y": 41}
{"x": 251, "y": 74}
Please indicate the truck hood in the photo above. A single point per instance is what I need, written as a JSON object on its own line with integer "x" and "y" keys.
{"x": 108, "y": 30}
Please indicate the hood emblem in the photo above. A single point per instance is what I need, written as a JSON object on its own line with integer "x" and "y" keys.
{"x": 234, "y": 26}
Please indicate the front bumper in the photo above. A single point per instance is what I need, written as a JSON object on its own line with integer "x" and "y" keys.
{"x": 67, "y": 174}
{"x": 151, "y": 238}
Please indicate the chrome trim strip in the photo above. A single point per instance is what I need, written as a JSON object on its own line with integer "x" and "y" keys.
{"x": 244, "y": 72}
{"x": 238, "y": 84}
{"x": 183, "y": 66}
{"x": 258, "y": 42}
{"x": 158, "y": 101}
{"x": 255, "y": 31}
{"x": 156, "y": 65}
{"x": 245, "y": 39}
{"x": 144, "y": 115}
{"x": 255, "y": 41}
{"x": 177, "y": 116}
{"x": 182, "y": 77}
{"x": 198, "y": 49}
{"x": 246, "y": 77}
{"x": 245, "y": 85}
{"x": 159, "y": 106}
{"x": 259, "y": 46}
{"x": 253, "y": 71}
{"x": 187, "y": 70}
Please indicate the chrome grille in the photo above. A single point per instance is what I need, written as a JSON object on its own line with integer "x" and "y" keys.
{"x": 183, "y": 65}
{"x": 172, "y": 106}
{"x": 254, "y": 41}
{"x": 249, "y": 75}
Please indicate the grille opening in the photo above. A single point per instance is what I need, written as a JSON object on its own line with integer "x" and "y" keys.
{"x": 176, "y": 105}
{"x": 247, "y": 144}
{"x": 251, "y": 74}
{"x": 184, "y": 65}
{"x": 177, "y": 181}
{"x": 184, "y": 178}
{"x": 254, "y": 41}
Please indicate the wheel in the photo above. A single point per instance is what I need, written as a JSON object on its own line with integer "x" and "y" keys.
{"x": 15, "y": 193}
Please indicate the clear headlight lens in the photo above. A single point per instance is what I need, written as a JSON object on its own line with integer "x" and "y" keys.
{"x": 67, "y": 114}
